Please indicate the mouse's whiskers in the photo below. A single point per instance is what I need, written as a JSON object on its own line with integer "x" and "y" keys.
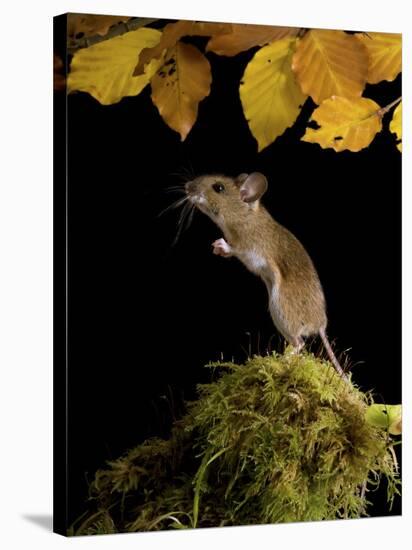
{"x": 185, "y": 219}
{"x": 179, "y": 188}
{"x": 174, "y": 205}
{"x": 186, "y": 173}
{"x": 190, "y": 216}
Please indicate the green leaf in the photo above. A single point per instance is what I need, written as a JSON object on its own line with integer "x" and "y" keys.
{"x": 388, "y": 417}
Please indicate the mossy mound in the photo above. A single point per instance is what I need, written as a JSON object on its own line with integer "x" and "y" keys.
{"x": 280, "y": 438}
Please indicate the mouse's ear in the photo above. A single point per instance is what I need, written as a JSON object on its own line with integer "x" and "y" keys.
{"x": 240, "y": 179}
{"x": 252, "y": 186}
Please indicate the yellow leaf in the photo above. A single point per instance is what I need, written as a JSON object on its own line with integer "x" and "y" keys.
{"x": 330, "y": 63}
{"x": 179, "y": 85}
{"x": 172, "y": 33}
{"x": 345, "y": 123}
{"x": 90, "y": 25}
{"x": 243, "y": 37}
{"x": 105, "y": 70}
{"x": 385, "y": 55}
{"x": 395, "y": 125}
{"x": 270, "y": 96}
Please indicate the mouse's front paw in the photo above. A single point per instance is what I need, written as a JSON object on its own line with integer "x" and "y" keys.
{"x": 221, "y": 248}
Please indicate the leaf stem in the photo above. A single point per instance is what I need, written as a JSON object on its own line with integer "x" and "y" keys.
{"x": 384, "y": 110}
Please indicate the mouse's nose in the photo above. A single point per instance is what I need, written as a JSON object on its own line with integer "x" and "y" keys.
{"x": 190, "y": 186}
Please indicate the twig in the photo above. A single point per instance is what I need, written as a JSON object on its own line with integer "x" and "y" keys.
{"x": 384, "y": 110}
{"x": 116, "y": 30}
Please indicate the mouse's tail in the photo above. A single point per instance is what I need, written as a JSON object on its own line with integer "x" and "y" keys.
{"x": 331, "y": 355}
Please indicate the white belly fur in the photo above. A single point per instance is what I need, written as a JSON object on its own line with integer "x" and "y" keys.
{"x": 258, "y": 265}
{"x": 254, "y": 262}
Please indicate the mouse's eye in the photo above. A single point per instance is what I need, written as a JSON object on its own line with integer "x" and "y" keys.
{"x": 218, "y": 187}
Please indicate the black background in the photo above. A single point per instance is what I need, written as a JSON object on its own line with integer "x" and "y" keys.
{"x": 145, "y": 316}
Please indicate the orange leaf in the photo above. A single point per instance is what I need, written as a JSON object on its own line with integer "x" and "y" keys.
{"x": 330, "y": 63}
{"x": 89, "y": 25}
{"x": 243, "y": 37}
{"x": 385, "y": 55}
{"x": 174, "y": 32}
{"x": 179, "y": 85}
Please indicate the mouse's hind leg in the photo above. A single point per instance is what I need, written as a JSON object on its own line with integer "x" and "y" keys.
{"x": 294, "y": 345}
{"x": 288, "y": 329}
{"x": 298, "y": 343}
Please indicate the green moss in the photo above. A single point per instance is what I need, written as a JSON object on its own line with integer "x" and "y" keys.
{"x": 279, "y": 439}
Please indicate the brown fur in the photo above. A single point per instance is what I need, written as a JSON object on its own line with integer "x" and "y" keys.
{"x": 296, "y": 299}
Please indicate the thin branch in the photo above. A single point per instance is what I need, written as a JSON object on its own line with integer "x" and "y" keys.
{"x": 384, "y": 110}
{"x": 75, "y": 44}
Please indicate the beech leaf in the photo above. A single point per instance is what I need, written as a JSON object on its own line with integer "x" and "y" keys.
{"x": 349, "y": 124}
{"x": 243, "y": 37}
{"x": 270, "y": 95}
{"x": 330, "y": 63}
{"x": 395, "y": 125}
{"x": 89, "y": 25}
{"x": 172, "y": 33}
{"x": 385, "y": 55}
{"x": 105, "y": 70}
{"x": 179, "y": 85}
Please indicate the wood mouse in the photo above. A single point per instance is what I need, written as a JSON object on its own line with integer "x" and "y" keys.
{"x": 266, "y": 248}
